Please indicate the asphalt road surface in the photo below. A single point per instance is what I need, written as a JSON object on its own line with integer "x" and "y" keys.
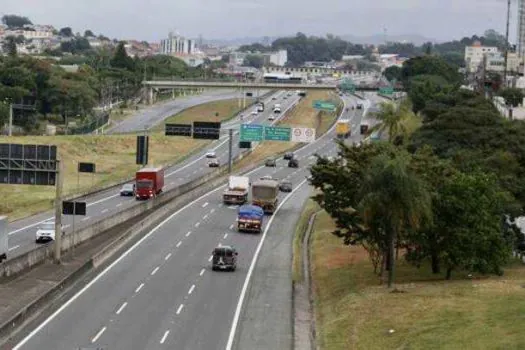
{"x": 162, "y": 293}
{"x": 154, "y": 115}
{"x": 22, "y": 233}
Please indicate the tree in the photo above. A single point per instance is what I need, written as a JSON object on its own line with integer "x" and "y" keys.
{"x": 395, "y": 201}
{"x": 430, "y": 65}
{"x": 423, "y": 88}
{"x": 14, "y": 21}
{"x": 393, "y": 73}
{"x": 391, "y": 117}
{"x": 255, "y": 61}
{"x": 9, "y": 46}
{"x": 66, "y": 32}
{"x": 121, "y": 59}
{"x": 254, "y": 48}
{"x": 512, "y": 96}
{"x": 89, "y": 34}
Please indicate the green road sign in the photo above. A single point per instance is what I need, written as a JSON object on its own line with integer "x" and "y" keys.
{"x": 251, "y": 132}
{"x": 325, "y": 106}
{"x": 277, "y": 133}
{"x": 347, "y": 85}
{"x": 386, "y": 90}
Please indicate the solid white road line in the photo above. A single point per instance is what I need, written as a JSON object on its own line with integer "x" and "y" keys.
{"x": 104, "y": 211}
{"x": 167, "y": 256}
{"x": 205, "y": 205}
{"x": 86, "y": 218}
{"x": 95, "y": 338}
{"x": 15, "y": 247}
{"x": 121, "y": 308}
{"x": 252, "y": 266}
{"x": 164, "y": 337}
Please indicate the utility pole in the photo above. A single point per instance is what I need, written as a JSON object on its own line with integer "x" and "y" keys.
{"x": 144, "y": 162}
{"x": 506, "y": 46}
{"x": 230, "y": 152}
{"x": 58, "y": 212}
{"x": 10, "y": 118}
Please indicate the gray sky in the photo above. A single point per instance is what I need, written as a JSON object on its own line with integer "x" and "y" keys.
{"x": 153, "y": 19}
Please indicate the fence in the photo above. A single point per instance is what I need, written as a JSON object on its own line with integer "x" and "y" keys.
{"x": 94, "y": 122}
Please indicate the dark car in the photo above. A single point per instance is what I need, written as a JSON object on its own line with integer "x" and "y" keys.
{"x": 270, "y": 162}
{"x": 285, "y": 186}
{"x": 213, "y": 163}
{"x": 224, "y": 258}
{"x": 293, "y": 163}
{"x": 128, "y": 190}
{"x": 359, "y": 106}
{"x": 288, "y": 156}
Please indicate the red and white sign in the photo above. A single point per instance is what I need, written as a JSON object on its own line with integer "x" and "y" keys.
{"x": 303, "y": 135}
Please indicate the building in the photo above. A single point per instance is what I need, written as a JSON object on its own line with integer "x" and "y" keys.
{"x": 278, "y": 58}
{"x": 237, "y": 58}
{"x": 496, "y": 62}
{"x": 474, "y": 55}
{"x": 520, "y": 38}
{"x": 177, "y": 45}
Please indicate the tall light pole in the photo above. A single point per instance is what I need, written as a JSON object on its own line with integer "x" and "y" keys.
{"x": 10, "y": 118}
{"x": 506, "y": 46}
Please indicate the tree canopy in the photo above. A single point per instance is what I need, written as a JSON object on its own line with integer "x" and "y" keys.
{"x": 15, "y": 21}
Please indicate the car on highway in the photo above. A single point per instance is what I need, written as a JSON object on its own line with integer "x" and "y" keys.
{"x": 213, "y": 163}
{"x": 211, "y": 154}
{"x": 288, "y": 155}
{"x": 255, "y": 112}
{"x": 266, "y": 177}
{"x": 285, "y": 186}
{"x": 293, "y": 163}
{"x": 224, "y": 258}
{"x": 277, "y": 110}
{"x": 128, "y": 190}
{"x": 271, "y": 117}
{"x": 285, "y": 97}
{"x": 270, "y": 162}
{"x": 45, "y": 232}
{"x": 274, "y": 98}
{"x": 359, "y": 106}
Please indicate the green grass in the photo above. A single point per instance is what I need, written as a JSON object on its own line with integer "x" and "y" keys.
{"x": 302, "y": 225}
{"x": 353, "y": 311}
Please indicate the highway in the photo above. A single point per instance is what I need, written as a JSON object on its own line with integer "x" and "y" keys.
{"x": 162, "y": 293}
{"x": 106, "y": 203}
{"x": 154, "y": 115}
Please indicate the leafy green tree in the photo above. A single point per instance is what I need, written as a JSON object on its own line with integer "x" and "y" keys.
{"x": 393, "y": 73}
{"x": 89, "y": 34}
{"x": 512, "y": 96}
{"x": 66, "y": 32}
{"x": 254, "y": 48}
{"x": 391, "y": 117}
{"x": 423, "y": 88}
{"x": 256, "y": 61}
{"x": 9, "y": 46}
{"x": 121, "y": 59}
{"x": 430, "y": 65}
{"x": 14, "y": 21}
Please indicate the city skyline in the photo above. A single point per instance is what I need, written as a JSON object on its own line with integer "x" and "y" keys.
{"x": 118, "y": 19}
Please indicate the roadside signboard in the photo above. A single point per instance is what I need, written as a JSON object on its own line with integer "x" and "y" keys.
{"x": 386, "y": 90}
{"x": 325, "y": 106}
{"x": 277, "y": 133}
{"x": 251, "y": 132}
{"x": 303, "y": 135}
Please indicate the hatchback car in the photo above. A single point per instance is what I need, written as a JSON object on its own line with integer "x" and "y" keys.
{"x": 45, "y": 232}
{"x": 224, "y": 258}
{"x": 128, "y": 190}
{"x": 288, "y": 156}
{"x": 213, "y": 163}
{"x": 285, "y": 186}
{"x": 293, "y": 163}
{"x": 271, "y": 117}
{"x": 270, "y": 162}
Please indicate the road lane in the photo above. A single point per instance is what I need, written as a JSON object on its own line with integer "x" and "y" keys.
{"x": 161, "y": 302}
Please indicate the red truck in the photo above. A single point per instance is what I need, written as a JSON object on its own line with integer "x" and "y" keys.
{"x": 149, "y": 182}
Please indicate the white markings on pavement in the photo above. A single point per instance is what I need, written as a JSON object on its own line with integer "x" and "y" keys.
{"x": 231, "y": 226}
{"x": 225, "y": 235}
{"x": 205, "y": 217}
{"x": 86, "y": 218}
{"x": 205, "y": 205}
{"x": 105, "y": 211}
{"x": 178, "y": 244}
{"x": 197, "y": 224}
{"x": 66, "y": 226}
{"x": 191, "y": 289}
{"x": 13, "y": 248}
{"x": 95, "y": 338}
{"x": 119, "y": 205}
{"x": 211, "y": 211}
{"x": 139, "y": 288}
{"x": 155, "y": 270}
{"x": 211, "y": 257}
{"x": 172, "y": 183}
{"x": 202, "y": 272}
{"x": 121, "y": 308}
{"x": 181, "y": 306}
{"x": 167, "y": 256}
{"x": 164, "y": 337}
{"x": 188, "y": 233}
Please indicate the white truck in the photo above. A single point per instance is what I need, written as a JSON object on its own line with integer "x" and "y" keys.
{"x": 237, "y": 191}
{"x": 4, "y": 236}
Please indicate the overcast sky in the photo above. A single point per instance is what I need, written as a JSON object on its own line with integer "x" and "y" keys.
{"x": 152, "y": 19}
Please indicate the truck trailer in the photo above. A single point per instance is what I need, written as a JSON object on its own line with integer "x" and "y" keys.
{"x": 264, "y": 195}
{"x": 343, "y": 129}
{"x": 149, "y": 183}
{"x": 237, "y": 191}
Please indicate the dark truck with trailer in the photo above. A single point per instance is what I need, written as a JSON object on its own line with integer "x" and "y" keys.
{"x": 264, "y": 195}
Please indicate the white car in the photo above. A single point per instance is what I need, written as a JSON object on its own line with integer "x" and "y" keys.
{"x": 255, "y": 112}
{"x": 211, "y": 154}
{"x": 46, "y": 232}
{"x": 271, "y": 117}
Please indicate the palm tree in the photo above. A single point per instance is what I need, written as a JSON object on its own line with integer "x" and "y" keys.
{"x": 392, "y": 117}
{"x": 394, "y": 201}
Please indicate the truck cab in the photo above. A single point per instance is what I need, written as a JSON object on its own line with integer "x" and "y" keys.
{"x": 250, "y": 219}
{"x": 224, "y": 258}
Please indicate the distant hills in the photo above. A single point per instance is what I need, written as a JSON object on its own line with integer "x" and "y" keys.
{"x": 371, "y": 40}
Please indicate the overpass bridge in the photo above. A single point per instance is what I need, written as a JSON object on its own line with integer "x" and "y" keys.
{"x": 154, "y": 85}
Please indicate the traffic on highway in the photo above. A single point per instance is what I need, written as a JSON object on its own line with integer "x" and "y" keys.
{"x": 163, "y": 292}
{"x": 22, "y": 233}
